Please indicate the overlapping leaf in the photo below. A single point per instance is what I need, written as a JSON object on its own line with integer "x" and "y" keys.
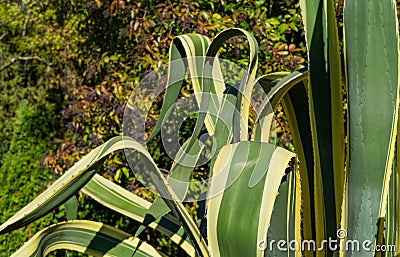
{"x": 120, "y": 200}
{"x": 245, "y": 183}
{"x": 326, "y": 113}
{"x": 87, "y": 237}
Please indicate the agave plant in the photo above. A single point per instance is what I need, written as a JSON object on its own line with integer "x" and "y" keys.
{"x": 342, "y": 113}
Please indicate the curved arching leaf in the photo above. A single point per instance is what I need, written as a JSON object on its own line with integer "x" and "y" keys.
{"x": 88, "y": 237}
{"x": 64, "y": 187}
{"x": 192, "y": 48}
{"x": 275, "y": 95}
{"x": 75, "y": 178}
{"x": 246, "y": 85}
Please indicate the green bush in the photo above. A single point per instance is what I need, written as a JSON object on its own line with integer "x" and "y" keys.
{"x": 22, "y": 177}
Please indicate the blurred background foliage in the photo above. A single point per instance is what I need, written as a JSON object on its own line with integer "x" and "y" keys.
{"x": 67, "y": 69}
